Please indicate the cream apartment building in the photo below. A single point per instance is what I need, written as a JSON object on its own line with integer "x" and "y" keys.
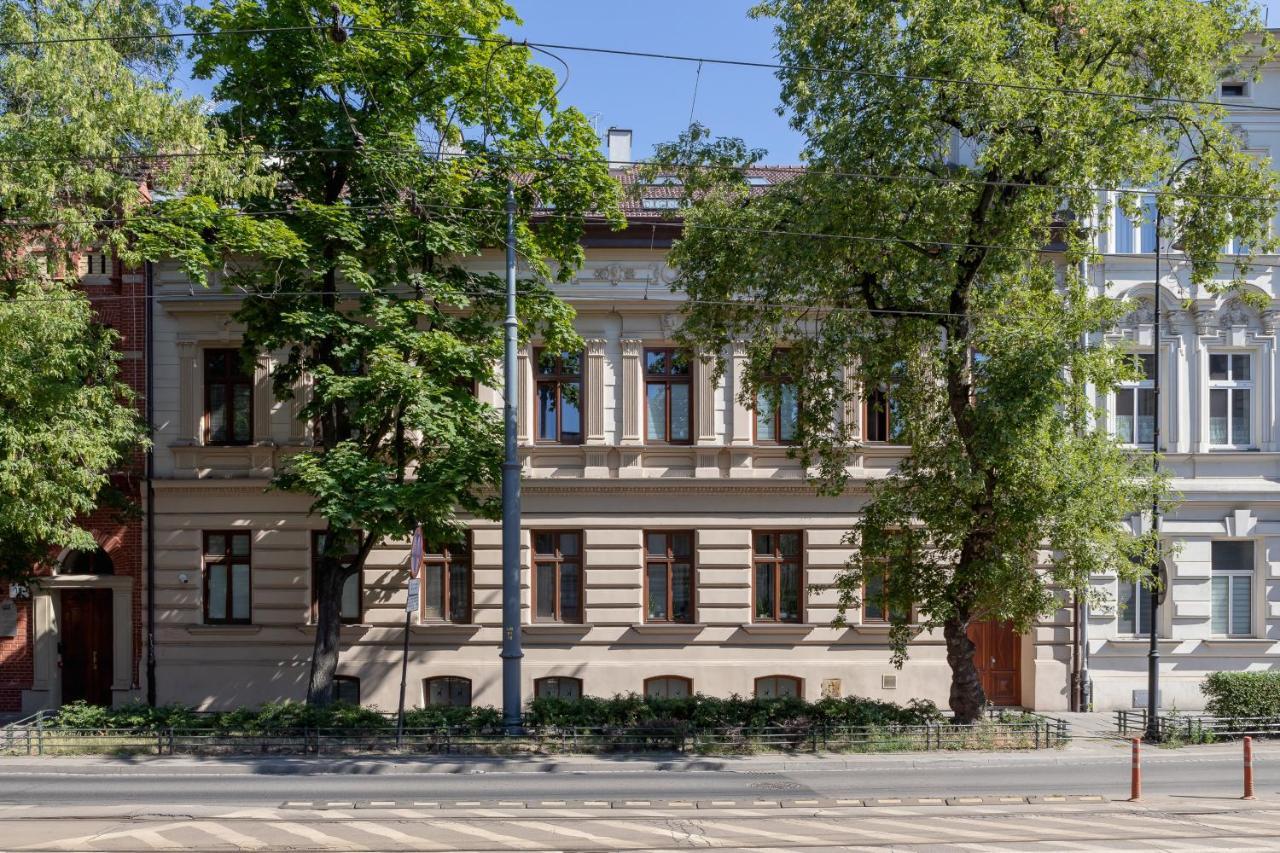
{"x": 669, "y": 542}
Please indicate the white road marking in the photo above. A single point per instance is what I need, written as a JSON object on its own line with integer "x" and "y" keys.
{"x": 315, "y": 835}
{"x": 227, "y": 834}
{"x": 763, "y": 833}
{"x": 853, "y": 828}
{"x": 497, "y": 837}
{"x": 559, "y": 829}
{"x": 396, "y": 835}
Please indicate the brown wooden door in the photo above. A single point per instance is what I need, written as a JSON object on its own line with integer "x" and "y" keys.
{"x": 997, "y": 655}
{"x": 85, "y": 643}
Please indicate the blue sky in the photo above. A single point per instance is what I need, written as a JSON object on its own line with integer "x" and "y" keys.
{"x": 653, "y": 97}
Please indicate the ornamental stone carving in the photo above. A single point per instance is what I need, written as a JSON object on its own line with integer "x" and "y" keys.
{"x": 1233, "y": 315}
{"x": 615, "y": 274}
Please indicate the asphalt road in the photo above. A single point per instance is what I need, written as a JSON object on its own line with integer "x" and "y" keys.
{"x": 1211, "y": 772}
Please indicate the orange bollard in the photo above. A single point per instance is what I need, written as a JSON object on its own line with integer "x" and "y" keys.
{"x": 1135, "y": 781}
{"x": 1248, "y": 769}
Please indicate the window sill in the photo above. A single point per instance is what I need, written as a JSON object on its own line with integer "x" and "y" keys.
{"x": 776, "y": 629}
{"x": 224, "y": 630}
{"x": 553, "y": 629}
{"x": 668, "y": 628}
{"x": 444, "y": 629}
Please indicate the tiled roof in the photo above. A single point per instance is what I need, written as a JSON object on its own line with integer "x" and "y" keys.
{"x": 643, "y": 202}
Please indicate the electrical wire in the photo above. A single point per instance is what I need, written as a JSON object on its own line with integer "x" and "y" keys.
{"x": 681, "y": 224}
{"x": 486, "y": 158}
{"x": 643, "y": 54}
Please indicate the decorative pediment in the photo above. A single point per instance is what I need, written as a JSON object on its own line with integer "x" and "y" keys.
{"x": 1234, "y": 314}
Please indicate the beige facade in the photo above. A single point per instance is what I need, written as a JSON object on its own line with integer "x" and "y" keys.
{"x": 613, "y": 489}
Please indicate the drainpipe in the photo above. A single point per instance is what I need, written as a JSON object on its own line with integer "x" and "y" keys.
{"x": 149, "y": 272}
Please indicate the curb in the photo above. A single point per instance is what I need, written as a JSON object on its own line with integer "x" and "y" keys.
{"x": 814, "y": 803}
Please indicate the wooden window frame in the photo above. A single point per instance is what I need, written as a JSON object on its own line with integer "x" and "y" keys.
{"x": 228, "y": 559}
{"x": 539, "y": 681}
{"x": 777, "y": 559}
{"x": 667, "y": 379}
{"x": 348, "y": 679}
{"x": 1231, "y": 387}
{"x": 445, "y": 558}
{"x": 426, "y": 690}
{"x": 688, "y": 683}
{"x": 558, "y": 558}
{"x": 670, "y": 560}
{"x": 233, "y": 378}
{"x": 780, "y": 382}
{"x": 869, "y": 414}
{"x": 558, "y": 378}
{"x": 1136, "y": 387}
{"x": 886, "y": 612}
{"x": 799, "y": 683}
{"x": 1231, "y": 575}
{"x": 359, "y": 576}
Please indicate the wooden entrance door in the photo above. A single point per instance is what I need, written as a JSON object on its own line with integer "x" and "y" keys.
{"x": 997, "y": 654}
{"x": 85, "y": 642}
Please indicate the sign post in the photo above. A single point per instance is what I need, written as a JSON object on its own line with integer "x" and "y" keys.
{"x": 410, "y": 607}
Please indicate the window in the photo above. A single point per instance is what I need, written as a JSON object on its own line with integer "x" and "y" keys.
{"x": 228, "y": 398}
{"x": 96, "y": 263}
{"x": 777, "y": 411}
{"x": 778, "y": 579}
{"x": 96, "y": 562}
{"x": 1135, "y": 411}
{"x": 559, "y": 407}
{"x": 1234, "y": 89}
{"x": 1230, "y": 399}
{"x": 882, "y": 419}
{"x": 451, "y": 690}
{"x": 351, "y": 610}
{"x": 446, "y": 584}
{"x": 668, "y": 687}
{"x": 1133, "y": 609}
{"x": 557, "y": 576}
{"x": 660, "y": 203}
{"x": 1127, "y": 228}
{"x": 664, "y": 181}
{"x": 1232, "y": 601}
{"x": 875, "y": 599}
{"x": 758, "y": 181}
{"x": 779, "y": 687}
{"x": 558, "y": 687}
{"x": 227, "y": 580}
{"x": 668, "y": 576}
{"x": 668, "y": 393}
{"x": 346, "y": 689}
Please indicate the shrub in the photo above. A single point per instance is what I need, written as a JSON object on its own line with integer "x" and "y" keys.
{"x": 1239, "y": 695}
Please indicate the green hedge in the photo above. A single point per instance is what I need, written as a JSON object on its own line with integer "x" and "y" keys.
{"x": 1238, "y": 695}
{"x": 630, "y": 710}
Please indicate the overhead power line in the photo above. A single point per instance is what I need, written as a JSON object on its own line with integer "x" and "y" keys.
{"x": 643, "y": 54}
{"x": 681, "y": 224}
{"x": 368, "y": 152}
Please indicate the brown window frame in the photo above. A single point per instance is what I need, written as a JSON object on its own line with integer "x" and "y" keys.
{"x": 426, "y": 691}
{"x": 778, "y": 380}
{"x": 558, "y": 378}
{"x": 870, "y": 415}
{"x": 447, "y": 557}
{"x": 359, "y": 577}
{"x": 688, "y": 683}
{"x": 346, "y": 679}
{"x": 776, "y": 559}
{"x": 667, "y": 379}
{"x": 537, "y": 682}
{"x": 799, "y": 683}
{"x": 670, "y": 560}
{"x": 558, "y": 558}
{"x": 885, "y": 612}
{"x": 233, "y": 377}
{"x": 228, "y": 559}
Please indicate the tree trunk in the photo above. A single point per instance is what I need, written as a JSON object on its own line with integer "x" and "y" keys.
{"x": 330, "y": 575}
{"x": 967, "y": 699}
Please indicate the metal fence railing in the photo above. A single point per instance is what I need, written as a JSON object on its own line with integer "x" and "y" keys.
{"x": 1196, "y": 728}
{"x": 1027, "y": 732}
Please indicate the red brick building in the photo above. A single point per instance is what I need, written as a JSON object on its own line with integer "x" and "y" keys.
{"x": 76, "y": 632}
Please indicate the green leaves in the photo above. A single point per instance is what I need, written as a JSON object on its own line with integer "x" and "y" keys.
{"x": 947, "y": 146}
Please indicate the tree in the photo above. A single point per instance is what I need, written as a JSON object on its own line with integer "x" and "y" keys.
{"x": 896, "y": 266}
{"x": 392, "y": 128}
{"x": 80, "y": 123}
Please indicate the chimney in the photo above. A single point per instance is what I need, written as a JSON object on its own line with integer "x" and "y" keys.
{"x": 619, "y": 142}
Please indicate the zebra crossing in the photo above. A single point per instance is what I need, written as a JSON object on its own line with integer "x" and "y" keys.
{"x": 1079, "y": 826}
